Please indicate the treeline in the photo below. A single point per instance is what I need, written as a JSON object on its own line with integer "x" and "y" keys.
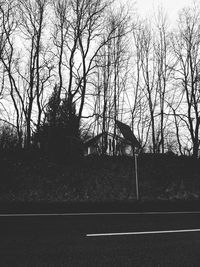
{"x": 70, "y": 69}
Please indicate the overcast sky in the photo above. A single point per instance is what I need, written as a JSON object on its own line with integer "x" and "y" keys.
{"x": 147, "y": 7}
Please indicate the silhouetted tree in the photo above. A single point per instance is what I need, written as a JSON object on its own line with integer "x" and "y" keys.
{"x": 186, "y": 46}
{"x": 59, "y": 136}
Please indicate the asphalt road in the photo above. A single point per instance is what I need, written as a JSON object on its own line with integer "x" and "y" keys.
{"x": 64, "y": 240}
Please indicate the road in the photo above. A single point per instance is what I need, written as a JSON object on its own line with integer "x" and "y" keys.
{"x": 140, "y": 239}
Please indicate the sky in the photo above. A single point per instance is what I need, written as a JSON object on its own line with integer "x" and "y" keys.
{"x": 148, "y": 7}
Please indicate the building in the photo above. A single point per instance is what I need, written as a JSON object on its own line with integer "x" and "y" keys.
{"x": 107, "y": 143}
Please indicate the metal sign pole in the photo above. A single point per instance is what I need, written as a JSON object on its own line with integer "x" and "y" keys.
{"x": 136, "y": 176}
{"x": 128, "y": 135}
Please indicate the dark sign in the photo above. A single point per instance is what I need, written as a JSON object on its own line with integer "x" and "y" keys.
{"x": 127, "y": 133}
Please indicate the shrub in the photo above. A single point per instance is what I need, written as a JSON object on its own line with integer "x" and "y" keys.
{"x": 8, "y": 139}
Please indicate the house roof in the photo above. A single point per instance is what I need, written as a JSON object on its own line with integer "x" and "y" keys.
{"x": 97, "y": 137}
{"x": 92, "y": 140}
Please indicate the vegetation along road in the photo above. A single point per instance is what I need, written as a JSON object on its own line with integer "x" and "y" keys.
{"x": 135, "y": 239}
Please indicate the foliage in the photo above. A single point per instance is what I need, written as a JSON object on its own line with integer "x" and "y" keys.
{"x": 8, "y": 138}
{"x": 59, "y": 136}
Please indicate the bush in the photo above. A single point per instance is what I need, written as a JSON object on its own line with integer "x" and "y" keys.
{"x": 8, "y": 139}
{"x": 57, "y": 143}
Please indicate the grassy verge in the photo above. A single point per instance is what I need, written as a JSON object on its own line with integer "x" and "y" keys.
{"x": 99, "y": 179}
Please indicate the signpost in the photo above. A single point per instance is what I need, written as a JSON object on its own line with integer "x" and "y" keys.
{"x": 136, "y": 176}
{"x": 128, "y": 135}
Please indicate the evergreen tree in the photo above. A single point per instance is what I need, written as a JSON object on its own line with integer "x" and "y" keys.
{"x": 59, "y": 136}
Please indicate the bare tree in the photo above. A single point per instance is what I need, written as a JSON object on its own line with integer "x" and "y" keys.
{"x": 60, "y": 40}
{"x": 186, "y": 45}
{"x": 164, "y": 59}
{"x": 111, "y": 68}
{"x": 8, "y": 29}
{"x": 136, "y": 99}
{"x": 149, "y": 75}
{"x": 151, "y": 81}
{"x": 82, "y": 25}
{"x": 37, "y": 70}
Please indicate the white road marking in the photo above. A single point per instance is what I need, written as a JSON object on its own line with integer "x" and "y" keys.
{"x": 96, "y": 213}
{"x": 144, "y": 233}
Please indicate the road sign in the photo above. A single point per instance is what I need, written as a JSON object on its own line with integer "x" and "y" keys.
{"x": 127, "y": 133}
